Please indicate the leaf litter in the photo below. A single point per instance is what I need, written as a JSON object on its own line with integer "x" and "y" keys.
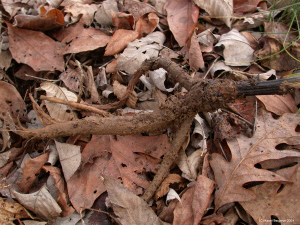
{"x": 87, "y": 52}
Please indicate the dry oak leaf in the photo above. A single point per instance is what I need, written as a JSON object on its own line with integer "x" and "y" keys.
{"x": 130, "y": 209}
{"x": 128, "y": 158}
{"x": 275, "y": 200}
{"x": 182, "y": 17}
{"x": 35, "y": 49}
{"x": 247, "y": 152}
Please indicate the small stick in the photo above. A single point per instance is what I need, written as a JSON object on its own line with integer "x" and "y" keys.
{"x": 76, "y": 105}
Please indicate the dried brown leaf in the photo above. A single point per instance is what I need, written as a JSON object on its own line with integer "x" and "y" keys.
{"x": 247, "y": 152}
{"x": 80, "y": 39}
{"x": 119, "y": 41}
{"x": 11, "y": 101}
{"x": 195, "y": 201}
{"x": 128, "y": 158}
{"x": 130, "y": 209}
{"x": 35, "y": 49}
{"x": 275, "y": 200}
{"x": 165, "y": 185}
{"x": 272, "y": 59}
{"x": 182, "y": 16}
{"x": 146, "y": 24}
{"x": 279, "y": 104}
{"x": 31, "y": 170}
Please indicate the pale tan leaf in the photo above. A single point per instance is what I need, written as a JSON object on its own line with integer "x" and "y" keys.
{"x": 172, "y": 194}
{"x": 248, "y": 152}
{"x": 84, "y": 12}
{"x": 70, "y": 158}
{"x": 238, "y": 51}
{"x": 5, "y": 59}
{"x": 221, "y": 9}
{"x": 41, "y": 203}
{"x": 104, "y": 13}
{"x": 131, "y": 209}
{"x": 59, "y": 111}
{"x": 140, "y": 50}
{"x": 158, "y": 77}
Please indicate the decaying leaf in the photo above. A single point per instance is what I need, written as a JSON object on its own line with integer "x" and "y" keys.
{"x": 31, "y": 170}
{"x": 195, "y": 55}
{"x": 238, "y": 51}
{"x": 140, "y": 50}
{"x": 194, "y": 202}
{"x": 41, "y": 203}
{"x": 104, "y": 13}
{"x": 182, "y": 16}
{"x": 59, "y": 111}
{"x": 62, "y": 194}
{"x": 80, "y": 39}
{"x": 220, "y": 9}
{"x": 274, "y": 200}
{"x": 82, "y": 12}
{"x": 165, "y": 185}
{"x": 12, "y": 211}
{"x": 120, "y": 40}
{"x": 35, "y": 49}
{"x": 247, "y": 152}
{"x": 11, "y": 101}
{"x": 137, "y": 8}
{"x": 120, "y": 90}
{"x": 52, "y": 19}
{"x": 70, "y": 158}
{"x": 279, "y": 104}
{"x": 131, "y": 209}
{"x": 129, "y": 158}
{"x": 146, "y": 24}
